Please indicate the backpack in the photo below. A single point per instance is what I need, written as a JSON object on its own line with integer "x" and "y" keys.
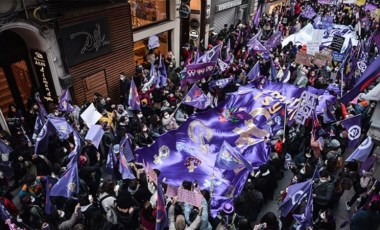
{"x": 110, "y": 213}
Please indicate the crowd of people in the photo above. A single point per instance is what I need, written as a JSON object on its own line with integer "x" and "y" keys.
{"x": 114, "y": 202}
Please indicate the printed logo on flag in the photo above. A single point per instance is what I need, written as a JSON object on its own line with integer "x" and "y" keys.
{"x": 72, "y": 187}
{"x": 366, "y": 143}
{"x": 354, "y": 132}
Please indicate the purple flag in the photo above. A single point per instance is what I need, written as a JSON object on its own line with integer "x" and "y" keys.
{"x": 327, "y": 22}
{"x": 126, "y": 172}
{"x": 161, "y": 216}
{"x": 40, "y": 121}
{"x": 162, "y": 76}
{"x": 306, "y": 219}
{"x": 211, "y": 55}
{"x": 367, "y": 165}
{"x": 126, "y": 150}
{"x": 362, "y": 152}
{"x": 74, "y": 155}
{"x": 273, "y": 41}
{"x": 154, "y": 42}
{"x": 222, "y": 65}
{"x": 111, "y": 159}
{"x": 62, "y": 127}
{"x": 370, "y": 7}
{"x": 296, "y": 194}
{"x": 238, "y": 39}
{"x": 257, "y": 17}
{"x": 197, "y": 56}
{"x": 370, "y": 75}
{"x": 43, "y": 138}
{"x": 221, "y": 83}
{"x": 4, "y": 148}
{"x": 228, "y": 48}
{"x": 195, "y": 72}
{"x": 308, "y": 12}
{"x": 68, "y": 184}
{"x": 257, "y": 48}
{"x": 49, "y": 182}
{"x": 229, "y": 158}
{"x": 95, "y": 134}
{"x": 63, "y": 103}
{"x": 133, "y": 98}
{"x": 273, "y": 71}
{"x": 353, "y": 125}
{"x": 196, "y": 98}
{"x": 254, "y": 73}
{"x": 328, "y": 117}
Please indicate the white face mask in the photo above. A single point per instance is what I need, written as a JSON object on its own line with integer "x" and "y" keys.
{"x": 302, "y": 171}
{"x": 145, "y": 129}
{"x": 1, "y": 175}
{"x": 122, "y": 77}
{"x": 103, "y": 102}
{"x": 166, "y": 115}
{"x": 139, "y": 115}
{"x": 323, "y": 215}
{"x": 322, "y": 180}
{"x": 56, "y": 113}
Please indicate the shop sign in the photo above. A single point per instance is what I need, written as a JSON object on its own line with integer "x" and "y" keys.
{"x": 227, "y": 5}
{"x": 86, "y": 40}
{"x": 184, "y": 11}
{"x": 41, "y": 66}
{"x": 193, "y": 34}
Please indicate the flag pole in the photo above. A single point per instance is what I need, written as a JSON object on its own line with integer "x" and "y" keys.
{"x": 286, "y": 112}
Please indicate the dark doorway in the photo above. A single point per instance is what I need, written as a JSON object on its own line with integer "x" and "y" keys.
{"x": 15, "y": 72}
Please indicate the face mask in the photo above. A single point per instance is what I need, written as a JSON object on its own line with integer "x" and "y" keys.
{"x": 1, "y": 175}
{"x": 303, "y": 171}
{"x": 122, "y": 78}
{"x": 56, "y": 113}
{"x": 139, "y": 115}
{"x": 145, "y": 129}
{"x": 166, "y": 116}
{"x": 322, "y": 180}
{"x": 120, "y": 110}
{"x": 323, "y": 215}
{"x": 103, "y": 102}
{"x": 203, "y": 80}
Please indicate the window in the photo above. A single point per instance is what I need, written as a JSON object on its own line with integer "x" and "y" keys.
{"x": 146, "y": 12}
{"x": 140, "y": 49}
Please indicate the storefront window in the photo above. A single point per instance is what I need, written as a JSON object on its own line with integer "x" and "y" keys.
{"x": 145, "y": 12}
{"x": 141, "y": 50}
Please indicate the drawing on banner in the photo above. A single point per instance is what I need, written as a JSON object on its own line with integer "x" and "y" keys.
{"x": 305, "y": 107}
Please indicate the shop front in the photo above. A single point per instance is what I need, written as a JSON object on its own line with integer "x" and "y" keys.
{"x": 97, "y": 46}
{"x": 140, "y": 48}
{"x": 224, "y": 12}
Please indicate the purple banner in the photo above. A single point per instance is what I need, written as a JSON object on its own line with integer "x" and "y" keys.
{"x": 195, "y": 72}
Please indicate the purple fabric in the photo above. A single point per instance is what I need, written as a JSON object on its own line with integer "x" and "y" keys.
{"x": 273, "y": 71}
{"x": 367, "y": 165}
{"x": 257, "y": 47}
{"x": 308, "y": 12}
{"x": 353, "y": 126}
{"x": 257, "y": 17}
{"x": 229, "y": 158}
{"x": 68, "y": 184}
{"x": 40, "y": 121}
{"x": 162, "y": 74}
{"x": 4, "y": 148}
{"x": 196, "y": 98}
{"x": 254, "y": 74}
{"x": 296, "y": 194}
{"x": 195, "y": 72}
{"x": 370, "y": 7}
{"x": 111, "y": 159}
{"x": 327, "y": 22}
{"x": 63, "y": 103}
{"x": 126, "y": 172}
{"x": 126, "y": 150}
{"x": 328, "y": 117}
{"x": 49, "y": 182}
{"x": 370, "y": 74}
{"x": 306, "y": 219}
{"x": 161, "y": 215}
{"x": 362, "y": 152}
{"x": 273, "y": 41}
{"x": 62, "y": 127}
{"x": 211, "y": 55}
{"x": 43, "y": 138}
{"x": 221, "y": 83}
{"x": 133, "y": 98}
